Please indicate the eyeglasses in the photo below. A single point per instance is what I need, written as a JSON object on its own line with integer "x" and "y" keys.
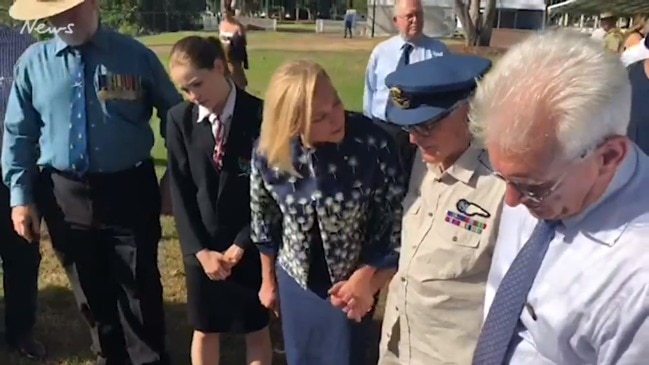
{"x": 535, "y": 193}
{"x": 425, "y": 129}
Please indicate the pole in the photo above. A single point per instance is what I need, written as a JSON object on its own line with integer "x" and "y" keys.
{"x": 373, "y": 16}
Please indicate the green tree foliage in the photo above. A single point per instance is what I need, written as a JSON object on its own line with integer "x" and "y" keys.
{"x": 152, "y": 16}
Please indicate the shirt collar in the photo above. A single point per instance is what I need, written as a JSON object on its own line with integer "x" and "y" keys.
{"x": 622, "y": 176}
{"x": 99, "y": 39}
{"x": 463, "y": 169}
{"x": 414, "y": 43}
{"x": 228, "y": 108}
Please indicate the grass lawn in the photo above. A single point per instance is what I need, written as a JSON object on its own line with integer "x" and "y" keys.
{"x": 59, "y": 324}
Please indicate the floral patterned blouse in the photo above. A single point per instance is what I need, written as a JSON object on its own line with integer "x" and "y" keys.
{"x": 352, "y": 191}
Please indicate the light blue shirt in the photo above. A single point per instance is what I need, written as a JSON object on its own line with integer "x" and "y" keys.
{"x": 350, "y": 17}
{"x": 589, "y": 303}
{"x": 124, "y": 82}
{"x": 384, "y": 60}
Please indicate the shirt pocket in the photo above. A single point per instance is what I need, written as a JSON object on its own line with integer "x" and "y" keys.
{"x": 449, "y": 252}
{"x": 122, "y": 96}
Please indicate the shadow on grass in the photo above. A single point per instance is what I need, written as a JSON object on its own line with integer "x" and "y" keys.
{"x": 61, "y": 328}
{"x": 158, "y": 162}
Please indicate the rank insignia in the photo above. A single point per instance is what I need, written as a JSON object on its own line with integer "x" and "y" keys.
{"x": 471, "y": 209}
{"x": 465, "y": 222}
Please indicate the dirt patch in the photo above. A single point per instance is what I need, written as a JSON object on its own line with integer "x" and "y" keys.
{"x": 489, "y": 52}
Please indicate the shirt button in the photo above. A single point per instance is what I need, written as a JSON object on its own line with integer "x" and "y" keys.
{"x": 92, "y": 125}
{"x": 454, "y": 239}
{"x": 430, "y": 214}
{"x": 403, "y": 279}
{"x": 96, "y": 148}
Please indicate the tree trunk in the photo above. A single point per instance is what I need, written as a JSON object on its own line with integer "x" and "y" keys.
{"x": 477, "y": 27}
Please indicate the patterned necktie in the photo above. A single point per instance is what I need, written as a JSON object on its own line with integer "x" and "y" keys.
{"x": 219, "y": 144}
{"x": 502, "y": 320}
{"x": 406, "y": 49}
{"x": 78, "y": 131}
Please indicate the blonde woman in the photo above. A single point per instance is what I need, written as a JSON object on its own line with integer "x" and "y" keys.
{"x": 326, "y": 191}
{"x": 638, "y": 32}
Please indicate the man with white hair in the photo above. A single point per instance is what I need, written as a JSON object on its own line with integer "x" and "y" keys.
{"x": 409, "y": 46}
{"x": 569, "y": 282}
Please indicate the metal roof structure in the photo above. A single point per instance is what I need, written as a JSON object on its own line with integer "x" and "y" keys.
{"x": 587, "y": 7}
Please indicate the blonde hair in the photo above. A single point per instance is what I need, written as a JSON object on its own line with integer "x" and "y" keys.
{"x": 287, "y": 111}
{"x": 639, "y": 22}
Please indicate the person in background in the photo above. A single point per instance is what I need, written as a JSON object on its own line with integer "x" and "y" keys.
{"x": 350, "y": 23}
{"x": 409, "y": 46}
{"x": 569, "y": 278}
{"x": 233, "y": 36}
{"x": 613, "y": 39}
{"x": 450, "y": 221}
{"x": 325, "y": 195}
{"x": 638, "y": 130}
{"x": 638, "y": 32}
{"x": 209, "y": 144}
{"x": 77, "y": 100}
{"x": 639, "y": 51}
{"x": 20, "y": 258}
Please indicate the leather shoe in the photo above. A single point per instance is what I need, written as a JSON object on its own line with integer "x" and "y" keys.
{"x": 30, "y": 348}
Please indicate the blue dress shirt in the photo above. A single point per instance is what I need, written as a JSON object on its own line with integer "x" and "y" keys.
{"x": 124, "y": 81}
{"x": 348, "y": 199}
{"x": 384, "y": 60}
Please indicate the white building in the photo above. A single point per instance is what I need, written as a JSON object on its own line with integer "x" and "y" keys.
{"x": 440, "y": 19}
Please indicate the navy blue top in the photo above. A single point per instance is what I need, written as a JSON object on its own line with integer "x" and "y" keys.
{"x": 124, "y": 81}
{"x": 639, "y": 125}
{"x": 12, "y": 43}
{"x": 348, "y": 200}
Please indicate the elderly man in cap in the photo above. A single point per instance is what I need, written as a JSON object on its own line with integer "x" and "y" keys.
{"x": 450, "y": 221}
{"x": 20, "y": 258}
{"x": 569, "y": 282}
{"x": 77, "y": 149}
{"x": 613, "y": 37}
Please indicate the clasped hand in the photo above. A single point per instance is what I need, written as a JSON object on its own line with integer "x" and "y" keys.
{"x": 218, "y": 266}
{"x": 354, "y": 296}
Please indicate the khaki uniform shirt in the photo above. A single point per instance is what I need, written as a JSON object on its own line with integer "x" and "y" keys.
{"x": 614, "y": 40}
{"x": 433, "y": 312}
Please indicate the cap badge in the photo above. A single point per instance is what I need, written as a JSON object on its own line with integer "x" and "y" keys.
{"x": 399, "y": 98}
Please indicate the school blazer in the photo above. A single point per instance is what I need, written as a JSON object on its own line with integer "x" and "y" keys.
{"x": 211, "y": 207}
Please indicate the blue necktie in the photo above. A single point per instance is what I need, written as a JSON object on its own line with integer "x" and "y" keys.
{"x": 502, "y": 320}
{"x": 78, "y": 133}
{"x": 404, "y": 60}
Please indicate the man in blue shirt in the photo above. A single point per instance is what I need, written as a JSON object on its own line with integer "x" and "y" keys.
{"x": 409, "y": 46}
{"x": 77, "y": 149}
{"x": 20, "y": 259}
